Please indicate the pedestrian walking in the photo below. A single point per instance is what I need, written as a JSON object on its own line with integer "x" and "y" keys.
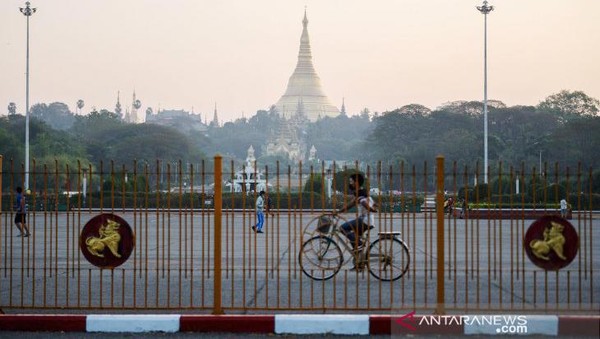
{"x": 563, "y": 208}
{"x": 260, "y": 212}
{"x": 20, "y": 217}
{"x": 464, "y": 208}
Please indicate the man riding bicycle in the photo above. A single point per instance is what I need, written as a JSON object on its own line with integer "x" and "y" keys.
{"x": 366, "y": 208}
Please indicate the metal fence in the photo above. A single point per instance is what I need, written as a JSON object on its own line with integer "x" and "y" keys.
{"x": 195, "y": 251}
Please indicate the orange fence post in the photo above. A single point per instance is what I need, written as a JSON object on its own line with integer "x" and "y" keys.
{"x": 217, "y": 307}
{"x": 439, "y": 199}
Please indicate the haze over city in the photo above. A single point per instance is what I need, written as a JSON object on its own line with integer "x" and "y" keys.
{"x": 380, "y": 55}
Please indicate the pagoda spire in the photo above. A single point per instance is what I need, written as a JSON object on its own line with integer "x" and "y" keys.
{"x": 118, "y": 109}
{"x": 305, "y": 64}
{"x": 215, "y": 121}
{"x": 134, "y": 107}
{"x": 305, "y": 84}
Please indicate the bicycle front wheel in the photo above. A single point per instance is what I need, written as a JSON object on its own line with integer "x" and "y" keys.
{"x": 388, "y": 259}
{"x": 320, "y": 258}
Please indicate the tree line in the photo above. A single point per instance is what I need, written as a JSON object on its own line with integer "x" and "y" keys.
{"x": 563, "y": 128}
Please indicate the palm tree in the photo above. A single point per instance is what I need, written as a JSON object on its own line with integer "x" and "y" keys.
{"x": 12, "y": 108}
{"x": 80, "y": 105}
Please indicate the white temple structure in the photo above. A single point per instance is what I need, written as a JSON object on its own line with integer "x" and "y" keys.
{"x": 286, "y": 142}
{"x": 248, "y": 179}
{"x": 304, "y": 86}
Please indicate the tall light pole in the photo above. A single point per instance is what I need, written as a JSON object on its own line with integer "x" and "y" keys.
{"x": 485, "y": 9}
{"x": 27, "y": 11}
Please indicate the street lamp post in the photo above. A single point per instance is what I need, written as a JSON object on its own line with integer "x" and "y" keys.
{"x": 27, "y": 11}
{"x": 485, "y": 9}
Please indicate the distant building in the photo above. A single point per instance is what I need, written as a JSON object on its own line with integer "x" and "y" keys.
{"x": 286, "y": 143}
{"x": 248, "y": 179}
{"x": 183, "y": 121}
{"x": 129, "y": 116}
{"x": 135, "y": 105}
{"x": 304, "y": 101}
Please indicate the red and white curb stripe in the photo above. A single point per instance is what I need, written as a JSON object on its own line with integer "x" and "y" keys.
{"x": 550, "y": 325}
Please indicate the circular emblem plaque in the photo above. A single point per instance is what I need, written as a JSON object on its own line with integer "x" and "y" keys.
{"x": 106, "y": 241}
{"x": 551, "y": 242}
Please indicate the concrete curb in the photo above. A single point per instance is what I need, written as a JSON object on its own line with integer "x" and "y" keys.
{"x": 322, "y": 323}
{"x": 550, "y": 325}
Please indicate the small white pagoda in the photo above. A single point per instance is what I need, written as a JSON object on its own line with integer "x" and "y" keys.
{"x": 248, "y": 179}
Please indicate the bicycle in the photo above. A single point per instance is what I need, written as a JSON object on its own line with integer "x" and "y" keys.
{"x": 321, "y": 257}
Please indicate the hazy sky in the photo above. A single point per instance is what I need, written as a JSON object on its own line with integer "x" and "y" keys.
{"x": 377, "y": 54}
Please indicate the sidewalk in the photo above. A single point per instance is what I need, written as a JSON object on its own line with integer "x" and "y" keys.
{"x": 410, "y": 324}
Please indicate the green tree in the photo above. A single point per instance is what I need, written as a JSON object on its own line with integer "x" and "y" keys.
{"x": 519, "y": 133}
{"x": 314, "y": 184}
{"x": 577, "y": 141}
{"x": 44, "y": 140}
{"x": 569, "y": 105}
{"x": 469, "y": 107}
{"x": 395, "y": 135}
{"x": 150, "y": 142}
{"x": 414, "y": 109}
{"x": 95, "y": 124}
{"x": 11, "y": 137}
{"x": 340, "y": 137}
{"x": 57, "y": 115}
{"x": 234, "y": 138}
{"x": 62, "y": 170}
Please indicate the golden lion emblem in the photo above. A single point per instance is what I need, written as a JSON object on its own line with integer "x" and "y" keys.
{"x": 109, "y": 237}
{"x": 553, "y": 240}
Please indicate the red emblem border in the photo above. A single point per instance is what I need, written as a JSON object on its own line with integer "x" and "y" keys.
{"x": 126, "y": 244}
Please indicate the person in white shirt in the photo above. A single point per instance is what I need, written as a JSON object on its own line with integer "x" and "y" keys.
{"x": 563, "y": 208}
{"x": 260, "y": 212}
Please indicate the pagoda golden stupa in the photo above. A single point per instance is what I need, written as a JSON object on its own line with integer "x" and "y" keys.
{"x": 304, "y": 86}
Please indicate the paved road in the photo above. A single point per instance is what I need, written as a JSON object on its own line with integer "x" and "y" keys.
{"x": 171, "y": 269}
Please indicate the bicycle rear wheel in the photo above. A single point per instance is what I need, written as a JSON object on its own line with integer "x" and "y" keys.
{"x": 320, "y": 258}
{"x": 388, "y": 259}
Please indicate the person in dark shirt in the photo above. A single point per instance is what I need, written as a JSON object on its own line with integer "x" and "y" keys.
{"x": 20, "y": 217}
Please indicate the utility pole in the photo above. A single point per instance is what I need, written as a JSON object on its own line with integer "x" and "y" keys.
{"x": 27, "y": 11}
{"x": 485, "y": 9}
